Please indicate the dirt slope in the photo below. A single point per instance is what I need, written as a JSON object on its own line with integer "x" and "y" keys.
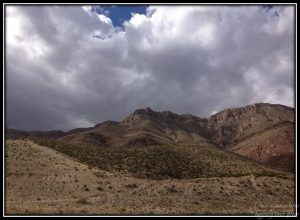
{"x": 41, "y": 181}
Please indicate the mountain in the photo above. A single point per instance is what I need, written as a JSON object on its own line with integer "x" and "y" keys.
{"x": 230, "y": 126}
{"x": 231, "y": 129}
{"x": 144, "y": 127}
{"x": 262, "y": 132}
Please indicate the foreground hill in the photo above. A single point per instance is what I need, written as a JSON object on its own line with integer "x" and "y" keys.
{"x": 164, "y": 161}
{"x": 40, "y": 180}
{"x": 226, "y": 129}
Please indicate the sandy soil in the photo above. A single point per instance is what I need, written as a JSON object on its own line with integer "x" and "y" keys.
{"x": 40, "y": 180}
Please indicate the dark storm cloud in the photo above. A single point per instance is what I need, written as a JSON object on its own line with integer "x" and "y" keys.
{"x": 185, "y": 59}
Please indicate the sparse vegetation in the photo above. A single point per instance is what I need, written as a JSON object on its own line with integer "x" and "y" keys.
{"x": 83, "y": 201}
{"x": 153, "y": 162}
{"x": 99, "y": 188}
{"x": 172, "y": 190}
{"x": 131, "y": 186}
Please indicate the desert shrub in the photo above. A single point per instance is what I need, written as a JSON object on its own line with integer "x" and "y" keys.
{"x": 172, "y": 190}
{"x": 99, "y": 174}
{"x": 131, "y": 186}
{"x": 83, "y": 201}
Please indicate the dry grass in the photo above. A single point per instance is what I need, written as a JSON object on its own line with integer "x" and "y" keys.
{"x": 42, "y": 181}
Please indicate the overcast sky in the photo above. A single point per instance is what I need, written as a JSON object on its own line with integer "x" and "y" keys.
{"x": 69, "y": 66}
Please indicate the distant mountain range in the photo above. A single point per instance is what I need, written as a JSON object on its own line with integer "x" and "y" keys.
{"x": 262, "y": 132}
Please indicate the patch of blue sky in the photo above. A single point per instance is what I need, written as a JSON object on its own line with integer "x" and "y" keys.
{"x": 119, "y": 13}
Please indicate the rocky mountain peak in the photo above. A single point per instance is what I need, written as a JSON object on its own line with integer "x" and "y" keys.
{"x": 234, "y": 124}
{"x": 262, "y": 109}
{"x": 140, "y": 114}
{"x": 144, "y": 111}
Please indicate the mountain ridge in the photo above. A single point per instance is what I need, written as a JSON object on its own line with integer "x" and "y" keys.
{"x": 145, "y": 127}
{"x": 148, "y": 109}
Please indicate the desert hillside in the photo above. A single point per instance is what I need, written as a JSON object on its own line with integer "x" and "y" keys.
{"x": 40, "y": 180}
{"x": 164, "y": 162}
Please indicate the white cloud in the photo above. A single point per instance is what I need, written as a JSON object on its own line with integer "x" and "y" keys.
{"x": 187, "y": 59}
{"x": 13, "y": 25}
{"x": 104, "y": 19}
{"x": 87, "y": 8}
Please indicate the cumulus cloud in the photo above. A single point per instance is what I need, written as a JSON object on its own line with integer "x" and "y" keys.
{"x": 68, "y": 67}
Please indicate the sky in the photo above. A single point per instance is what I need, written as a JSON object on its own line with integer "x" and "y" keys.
{"x": 76, "y": 66}
{"x": 120, "y": 13}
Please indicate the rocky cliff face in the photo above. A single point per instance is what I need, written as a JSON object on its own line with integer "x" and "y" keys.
{"x": 274, "y": 146}
{"x": 225, "y": 128}
{"x": 230, "y": 126}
